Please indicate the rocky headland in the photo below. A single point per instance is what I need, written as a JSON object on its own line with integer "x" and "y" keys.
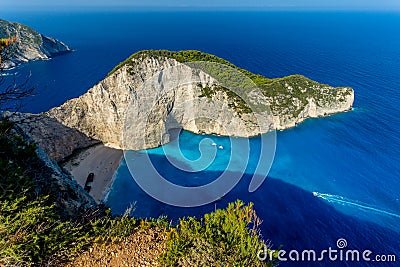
{"x": 125, "y": 101}
{"x": 147, "y": 96}
{"x": 30, "y": 45}
{"x": 101, "y": 113}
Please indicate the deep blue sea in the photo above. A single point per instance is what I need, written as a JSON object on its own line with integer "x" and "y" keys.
{"x": 351, "y": 159}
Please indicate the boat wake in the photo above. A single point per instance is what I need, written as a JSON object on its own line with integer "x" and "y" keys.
{"x": 353, "y": 203}
{"x": 9, "y": 74}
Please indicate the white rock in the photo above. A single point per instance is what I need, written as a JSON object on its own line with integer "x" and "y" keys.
{"x": 101, "y": 112}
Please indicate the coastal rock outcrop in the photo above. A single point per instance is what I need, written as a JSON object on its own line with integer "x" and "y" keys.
{"x": 56, "y": 139}
{"x": 134, "y": 99}
{"x": 70, "y": 196}
{"x": 52, "y": 180}
{"x": 30, "y": 44}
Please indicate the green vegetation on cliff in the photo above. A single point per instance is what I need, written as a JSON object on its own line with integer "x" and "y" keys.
{"x": 227, "y": 237}
{"x": 34, "y": 231}
{"x": 288, "y": 96}
{"x": 12, "y": 28}
{"x": 29, "y": 44}
{"x": 188, "y": 56}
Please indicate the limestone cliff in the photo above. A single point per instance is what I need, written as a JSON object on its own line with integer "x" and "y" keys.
{"x": 30, "y": 45}
{"x": 70, "y": 198}
{"x": 56, "y": 139}
{"x": 139, "y": 83}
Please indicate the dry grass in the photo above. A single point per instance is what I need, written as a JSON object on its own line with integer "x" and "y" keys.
{"x": 140, "y": 249}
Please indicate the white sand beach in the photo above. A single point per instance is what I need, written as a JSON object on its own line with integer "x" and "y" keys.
{"x": 101, "y": 160}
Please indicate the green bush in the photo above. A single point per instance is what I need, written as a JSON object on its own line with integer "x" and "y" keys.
{"x": 33, "y": 233}
{"x": 189, "y": 56}
{"x": 31, "y": 230}
{"x": 227, "y": 237}
{"x": 288, "y": 96}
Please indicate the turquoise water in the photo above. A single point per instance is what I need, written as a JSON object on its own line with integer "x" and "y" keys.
{"x": 350, "y": 160}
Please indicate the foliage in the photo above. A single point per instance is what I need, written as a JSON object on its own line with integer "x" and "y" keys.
{"x": 4, "y": 42}
{"x": 187, "y": 56}
{"x": 31, "y": 230}
{"x": 34, "y": 233}
{"x": 227, "y": 237}
{"x": 23, "y": 216}
{"x": 287, "y": 96}
{"x": 11, "y": 93}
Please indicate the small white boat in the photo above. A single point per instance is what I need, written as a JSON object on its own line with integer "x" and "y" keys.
{"x": 221, "y": 147}
{"x": 213, "y": 144}
{"x": 315, "y": 194}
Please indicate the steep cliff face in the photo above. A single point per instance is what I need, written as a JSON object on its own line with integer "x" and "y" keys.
{"x": 296, "y": 98}
{"x": 30, "y": 45}
{"x": 100, "y": 113}
{"x": 56, "y": 139}
{"x": 149, "y": 94}
{"x": 69, "y": 195}
{"x": 50, "y": 179}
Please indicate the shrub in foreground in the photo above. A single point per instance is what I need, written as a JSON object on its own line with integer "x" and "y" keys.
{"x": 31, "y": 230}
{"x": 227, "y": 237}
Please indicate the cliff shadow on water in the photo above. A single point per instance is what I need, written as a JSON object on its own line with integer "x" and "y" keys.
{"x": 292, "y": 217}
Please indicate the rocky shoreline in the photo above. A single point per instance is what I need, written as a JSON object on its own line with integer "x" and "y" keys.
{"x": 102, "y": 112}
{"x": 75, "y": 132}
{"x": 30, "y": 44}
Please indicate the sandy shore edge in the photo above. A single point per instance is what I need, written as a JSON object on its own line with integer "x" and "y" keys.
{"x": 101, "y": 160}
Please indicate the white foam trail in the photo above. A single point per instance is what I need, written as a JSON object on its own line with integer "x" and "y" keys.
{"x": 9, "y": 74}
{"x": 353, "y": 203}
